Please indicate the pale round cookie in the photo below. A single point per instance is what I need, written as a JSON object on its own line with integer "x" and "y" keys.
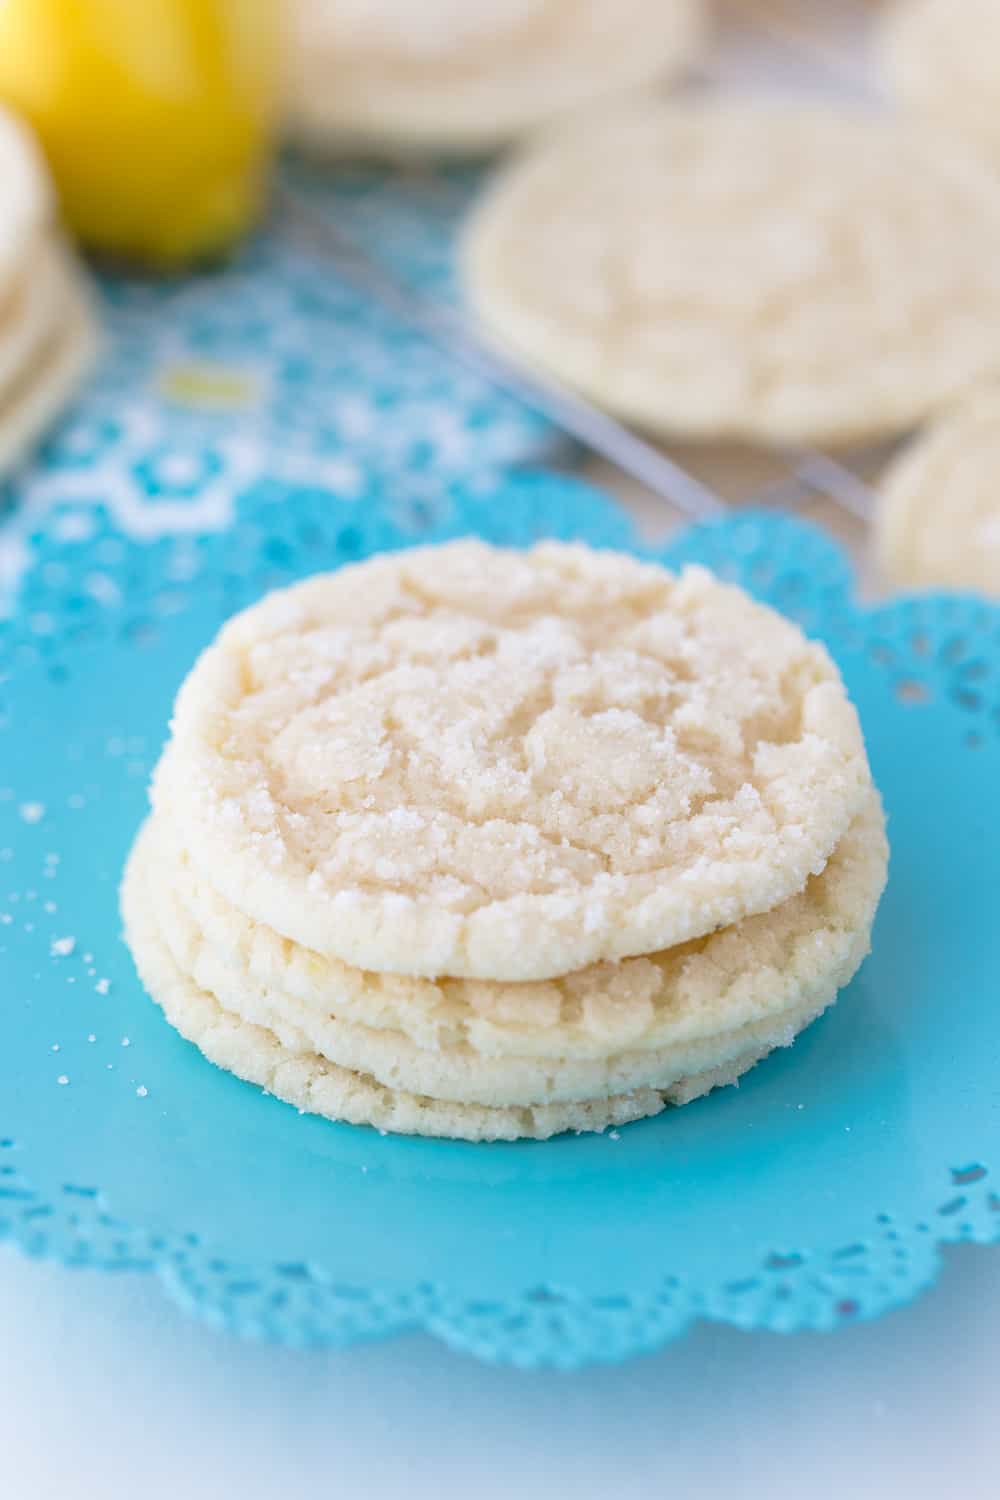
{"x": 291, "y": 1071}
{"x": 26, "y": 201}
{"x": 489, "y": 764}
{"x": 806, "y": 948}
{"x": 716, "y": 997}
{"x": 457, "y": 77}
{"x": 942, "y": 63}
{"x": 770, "y": 272}
{"x": 29, "y": 406}
{"x": 937, "y": 522}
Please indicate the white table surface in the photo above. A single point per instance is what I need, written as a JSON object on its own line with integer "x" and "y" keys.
{"x": 107, "y": 1392}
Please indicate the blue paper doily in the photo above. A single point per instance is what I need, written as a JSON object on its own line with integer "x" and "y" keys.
{"x": 816, "y": 1193}
{"x": 274, "y": 371}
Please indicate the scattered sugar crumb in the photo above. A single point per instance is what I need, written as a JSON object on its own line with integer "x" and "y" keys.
{"x": 55, "y": 1046}
{"x": 142, "y": 1091}
{"x": 102, "y": 986}
{"x": 29, "y": 926}
{"x": 91, "y": 1037}
{"x": 126, "y": 1042}
{"x": 88, "y": 958}
{"x": 614, "y": 1135}
{"x": 62, "y": 947}
{"x": 109, "y": 1066}
{"x": 6, "y": 918}
{"x": 364, "y": 1169}
{"x": 32, "y": 812}
{"x": 71, "y": 979}
{"x": 62, "y": 1080}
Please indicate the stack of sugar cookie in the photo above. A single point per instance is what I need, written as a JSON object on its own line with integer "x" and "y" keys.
{"x": 47, "y": 328}
{"x": 459, "y": 77}
{"x": 470, "y": 842}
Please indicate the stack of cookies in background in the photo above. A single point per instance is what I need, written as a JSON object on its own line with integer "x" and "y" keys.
{"x": 468, "y": 842}
{"x": 48, "y": 337}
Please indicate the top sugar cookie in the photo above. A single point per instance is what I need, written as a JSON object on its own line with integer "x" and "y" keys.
{"x": 942, "y": 59}
{"x": 468, "y": 75}
{"x": 771, "y": 272}
{"x": 473, "y": 762}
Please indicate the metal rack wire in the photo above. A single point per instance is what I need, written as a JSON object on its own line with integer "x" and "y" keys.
{"x": 804, "y": 475}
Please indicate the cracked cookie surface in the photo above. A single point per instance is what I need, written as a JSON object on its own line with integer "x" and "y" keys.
{"x": 937, "y": 522}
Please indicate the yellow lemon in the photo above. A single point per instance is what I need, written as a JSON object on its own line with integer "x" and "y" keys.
{"x": 156, "y": 118}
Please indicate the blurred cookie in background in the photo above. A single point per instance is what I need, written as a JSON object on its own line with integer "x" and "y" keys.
{"x": 937, "y": 523}
{"x": 457, "y": 77}
{"x": 42, "y": 367}
{"x": 48, "y": 330}
{"x": 942, "y": 62}
{"x": 774, "y": 273}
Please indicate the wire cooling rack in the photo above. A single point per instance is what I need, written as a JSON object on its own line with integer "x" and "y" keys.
{"x": 798, "y": 43}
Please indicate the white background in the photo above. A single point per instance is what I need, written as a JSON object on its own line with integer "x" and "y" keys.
{"x": 107, "y": 1392}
